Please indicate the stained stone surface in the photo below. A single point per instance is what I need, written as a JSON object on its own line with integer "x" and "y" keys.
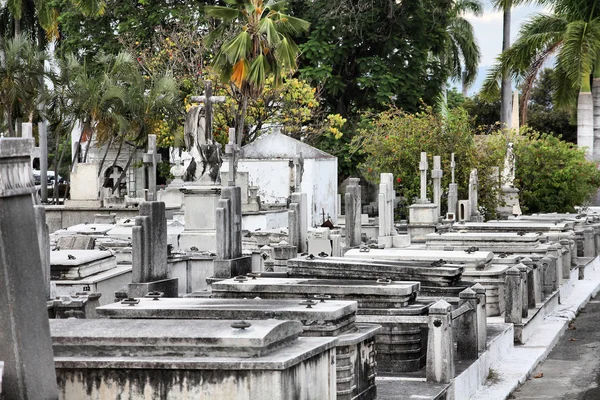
{"x": 78, "y": 264}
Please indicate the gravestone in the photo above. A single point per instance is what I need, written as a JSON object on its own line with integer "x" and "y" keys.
{"x": 302, "y": 200}
{"x": 388, "y": 236}
{"x": 44, "y": 243}
{"x": 43, "y": 134}
{"x": 422, "y": 216}
{"x": 84, "y": 186}
{"x": 474, "y": 197}
{"x": 25, "y": 344}
{"x": 353, "y": 212}
{"x": 229, "y": 260}
{"x": 149, "y": 253}
{"x": 509, "y": 201}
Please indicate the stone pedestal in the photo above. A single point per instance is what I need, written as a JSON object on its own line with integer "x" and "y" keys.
{"x": 510, "y": 199}
{"x": 422, "y": 221}
{"x": 200, "y": 221}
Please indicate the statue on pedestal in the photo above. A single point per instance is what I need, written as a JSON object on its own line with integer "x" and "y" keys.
{"x": 206, "y": 154}
{"x": 508, "y": 173}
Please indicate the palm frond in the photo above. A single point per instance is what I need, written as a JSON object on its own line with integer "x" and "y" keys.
{"x": 226, "y": 14}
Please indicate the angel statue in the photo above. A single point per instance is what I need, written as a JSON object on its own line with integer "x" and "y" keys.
{"x": 206, "y": 154}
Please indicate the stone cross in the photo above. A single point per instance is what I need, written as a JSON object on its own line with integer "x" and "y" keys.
{"x": 150, "y": 160}
{"x": 115, "y": 175}
{"x": 436, "y": 175}
{"x": 25, "y": 344}
{"x": 208, "y": 100}
{"x": 423, "y": 166}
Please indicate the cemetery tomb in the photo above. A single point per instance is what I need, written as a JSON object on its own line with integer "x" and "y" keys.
{"x": 222, "y": 359}
{"x": 391, "y": 304}
{"x": 355, "y": 350}
{"x": 78, "y": 264}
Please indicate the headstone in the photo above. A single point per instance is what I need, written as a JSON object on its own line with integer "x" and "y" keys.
{"x": 25, "y": 343}
{"x": 353, "y": 212}
{"x": 436, "y": 176}
{"x": 84, "y": 186}
{"x": 149, "y": 252}
{"x": 302, "y": 200}
{"x": 423, "y": 216}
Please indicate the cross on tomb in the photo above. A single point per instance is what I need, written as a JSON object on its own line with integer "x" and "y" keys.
{"x": 423, "y": 167}
{"x": 208, "y": 99}
{"x": 115, "y": 175}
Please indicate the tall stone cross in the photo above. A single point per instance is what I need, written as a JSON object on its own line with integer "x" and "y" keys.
{"x": 436, "y": 175}
{"x": 208, "y": 100}
{"x": 423, "y": 166}
{"x": 115, "y": 175}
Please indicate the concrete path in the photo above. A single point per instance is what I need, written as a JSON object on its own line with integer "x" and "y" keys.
{"x": 519, "y": 364}
{"x": 572, "y": 369}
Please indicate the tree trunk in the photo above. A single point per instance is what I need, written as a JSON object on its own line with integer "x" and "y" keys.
{"x": 17, "y": 26}
{"x": 104, "y": 156}
{"x": 596, "y": 109}
{"x": 465, "y": 87}
{"x": 240, "y": 119}
{"x": 505, "y": 88}
{"x": 585, "y": 121}
{"x": 116, "y": 185}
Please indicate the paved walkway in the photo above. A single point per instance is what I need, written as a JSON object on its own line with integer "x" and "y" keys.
{"x": 572, "y": 369}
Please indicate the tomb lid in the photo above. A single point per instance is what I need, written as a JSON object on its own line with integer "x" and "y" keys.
{"x": 77, "y": 257}
{"x": 163, "y": 338}
{"x": 245, "y": 309}
{"x": 512, "y": 237}
{"x": 477, "y": 258}
{"x": 91, "y": 229}
{"x": 309, "y": 287}
{"x": 517, "y": 225}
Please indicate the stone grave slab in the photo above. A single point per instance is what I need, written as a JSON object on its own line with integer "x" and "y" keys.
{"x": 75, "y": 242}
{"x": 354, "y": 350}
{"x": 90, "y": 229}
{"x": 442, "y": 275}
{"x": 476, "y": 259}
{"x": 106, "y": 283}
{"x": 488, "y": 241}
{"x": 514, "y": 225}
{"x": 78, "y": 264}
{"x": 192, "y": 358}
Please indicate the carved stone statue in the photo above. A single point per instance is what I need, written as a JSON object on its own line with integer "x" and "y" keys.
{"x": 508, "y": 173}
{"x": 206, "y": 154}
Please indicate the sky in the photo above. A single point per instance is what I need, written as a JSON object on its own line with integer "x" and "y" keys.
{"x": 488, "y": 30}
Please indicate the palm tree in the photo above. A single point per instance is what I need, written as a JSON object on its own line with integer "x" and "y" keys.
{"x": 21, "y": 69}
{"x": 506, "y": 85}
{"x": 572, "y": 33}
{"x": 261, "y": 45}
{"x": 460, "y": 53}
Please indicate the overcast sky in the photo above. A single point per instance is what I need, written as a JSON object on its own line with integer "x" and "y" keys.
{"x": 488, "y": 30}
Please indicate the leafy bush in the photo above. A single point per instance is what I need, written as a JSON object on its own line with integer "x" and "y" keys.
{"x": 551, "y": 174}
{"x": 393, "y": 141}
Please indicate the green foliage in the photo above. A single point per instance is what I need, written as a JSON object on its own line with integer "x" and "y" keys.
{"x": 551, "y": 174}
{"x": 543, "y": 115}
{"x": 366, "y": 55}
{"x": 394, "y": 140}
{"x": 485, "y": 114}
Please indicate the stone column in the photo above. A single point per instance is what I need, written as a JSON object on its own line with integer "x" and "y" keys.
{"x": 514, "y": 297}
{"x": 547, "y": 276}
{"x": 524, "y": 289}
{"x": 25, "y": 342}
{"x": 573, "y": 246}
{"x": 467, "y": 337}
{"x": 555, "y": 251}
{"x": 336, "y": 246}
{"x": 453, "y": 192}
{"x": 44, "y": 160}
{"x": 423, "y": 166}
{"x": 353, "y": 212}
{"x": 440, "y": 344}
{"x": 302, "y": 200}
{"x": 436, "y": 176}
{"x": 537, "y": 278}
{"x": 293, "y": 225}
{"x": 566, "y": 259}
{"x": 481, "y": 316}
{"x": 234, "y": 195}
{"x": 150, "y": 160}
{"x": 589, "y": 243}
{"x": 43, "y": 236}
